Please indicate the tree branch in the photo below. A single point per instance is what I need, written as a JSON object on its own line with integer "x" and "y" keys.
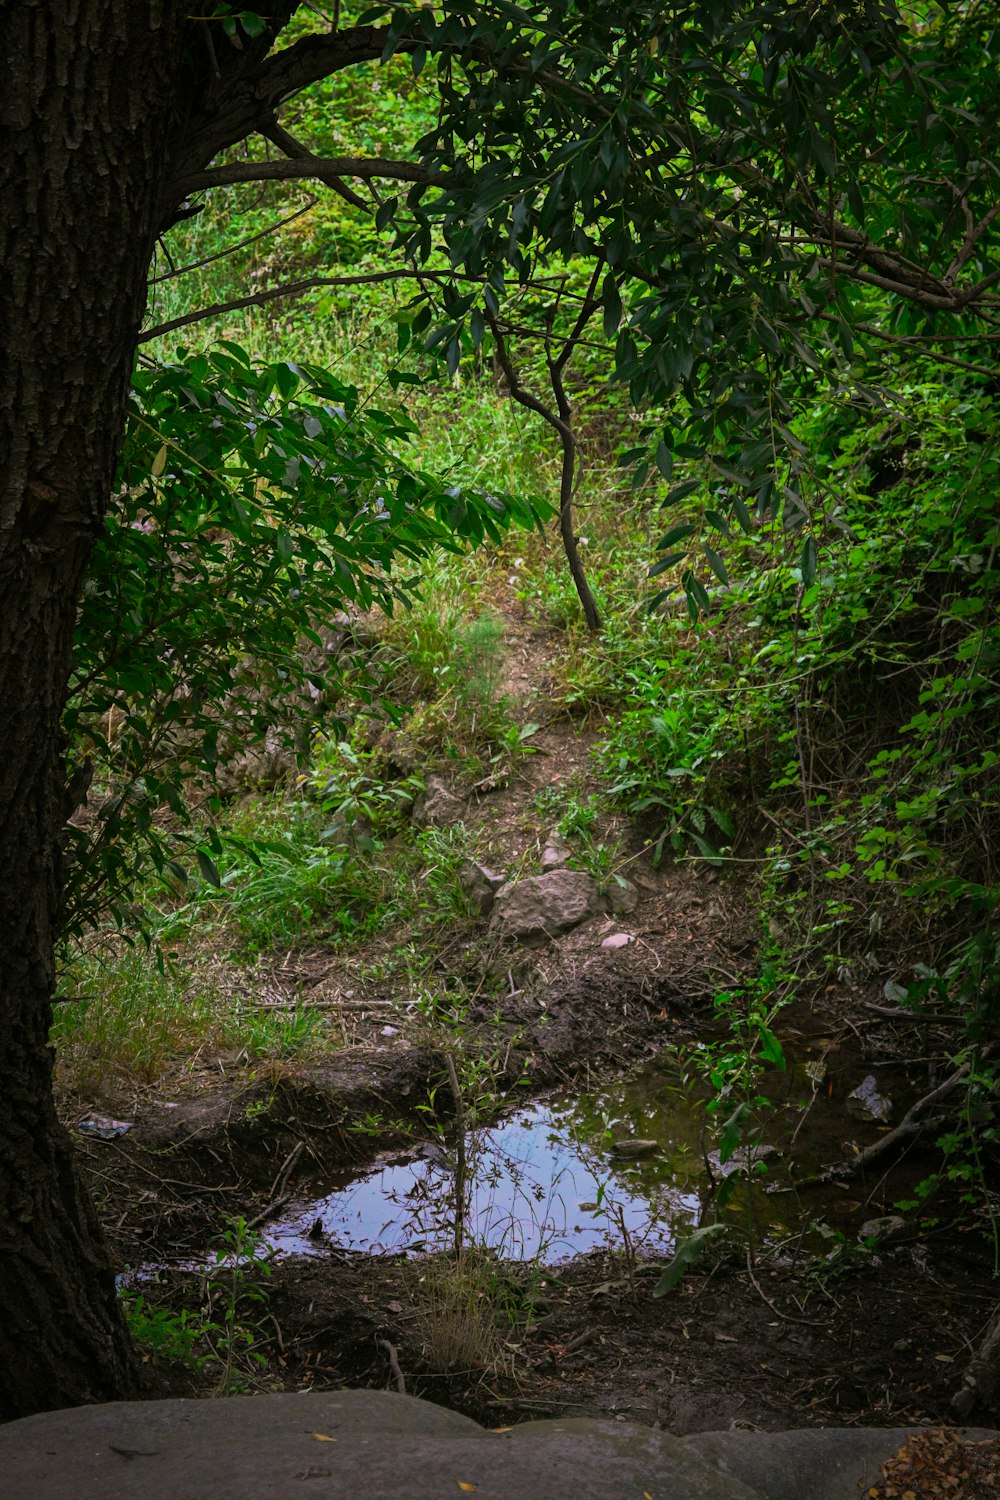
{"x": 561, "y": 421}
{"x": 295, "y": 289}
{"x": 298, "y": 152}
{"x": 251, "y": 239}
{"x": 329, "y": 169}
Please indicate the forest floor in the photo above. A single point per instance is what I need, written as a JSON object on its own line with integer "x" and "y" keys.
{"x": 807, "y": 1328}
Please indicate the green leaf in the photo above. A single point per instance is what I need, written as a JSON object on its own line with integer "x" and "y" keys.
{"x": 385, "y": 213}
{"x": 670, "y": 561}
{"x": 732, "y": 1131}
{"x": 664, "y": 460}
{"x": 685, "y": 1256}
{"x": 208, "y": 868}
{"x": 676, "y": 534}
{"x": 707, "y": 850}
{"x": 716, "y": 564}
{"x": 771, "y": 1049}
{"x": 682, "y": 491}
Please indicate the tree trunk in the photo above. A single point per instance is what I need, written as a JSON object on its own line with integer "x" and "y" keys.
{"x": 86, "y": 96}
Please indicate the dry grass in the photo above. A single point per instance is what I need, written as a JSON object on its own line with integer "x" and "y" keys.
{"x": 465, "y": 1315}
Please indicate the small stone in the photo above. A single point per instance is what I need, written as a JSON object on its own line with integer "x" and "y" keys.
{"x": 618, "y": 940}
{"x": 437, "y": 806}
{"x": 622, "y": 898}
{"x": 632, "y": 1150}
{"x": 556, "y": 853}
{"x": 886, "y": 1228}
{"x": 348, "y": 833}
{"x": 480, "y": 885}
{"x": 103, "y": 1128}
{"x": 743, "y": 1159}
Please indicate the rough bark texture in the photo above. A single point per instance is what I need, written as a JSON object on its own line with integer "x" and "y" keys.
{"x": 85, "y": 96}
{"x": 107, "y": 108}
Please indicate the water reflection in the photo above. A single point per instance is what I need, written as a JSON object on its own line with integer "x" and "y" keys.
{"x": 543, "y": 1184}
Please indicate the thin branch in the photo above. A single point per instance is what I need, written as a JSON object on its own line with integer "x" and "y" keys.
{"x": 251, "y": 239}
{"x": 290, "y": 289}
{"x": 294, "y": 149}
{"x": 920, "y": 347}
{"x": 561, "y": 421}
{"x": 324, "y": 169}
{"x": 910, "y": 1126}
{"x": 972, "y": 238}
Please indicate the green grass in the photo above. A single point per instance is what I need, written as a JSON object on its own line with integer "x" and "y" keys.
{"x": 134, "y": 1021}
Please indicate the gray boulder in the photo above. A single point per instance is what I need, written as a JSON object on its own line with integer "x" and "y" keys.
{"x": 541, "y": 906}
{"x": 380, "y": 1446}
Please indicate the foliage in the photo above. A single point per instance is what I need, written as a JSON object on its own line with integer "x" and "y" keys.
{"x": 256, "y": 500}
{"x": 162, "y": 1334}
{"x": 237, "y": 1299}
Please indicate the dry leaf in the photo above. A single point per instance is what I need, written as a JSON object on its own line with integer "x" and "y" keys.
{"x": 159, "y": 462}
{"x": 501, "y": 1429}
{"x": 322, "y": 1437}
{"x": 646, "y": 1495}
{"x": 468, "y": 1488}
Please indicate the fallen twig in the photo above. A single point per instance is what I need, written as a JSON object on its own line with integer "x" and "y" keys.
{"x": 394, "y": 1365}
{"x": 802, "y": 1322}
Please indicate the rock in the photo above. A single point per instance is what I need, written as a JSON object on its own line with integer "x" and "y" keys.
{"x": 743, "y": 1159}
{"x": 103, "y": 1128}
{"x": 343, "y": 832}
{"x": 480, "y": 885}
{"x": 555, "y": 854}
{"x": 264, "y": 764}
{"x": 378, "y": 1443}
{"x": 621, "y": 898}
{"x": 618, "y": 940}
{"x": 542, "y": 905}
{"x": 437, "y": 806}
{"x": 866, "y": 1103}
{"x": 632, "y": 1150}
{"x": 885, "y": 1229}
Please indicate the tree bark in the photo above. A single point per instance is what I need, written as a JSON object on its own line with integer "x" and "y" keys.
{"x": 87, "y": 102}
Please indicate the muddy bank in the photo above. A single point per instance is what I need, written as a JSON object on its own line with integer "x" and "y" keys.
{"x": 245, "y": 1144}
{"x": 804, "y": 1330}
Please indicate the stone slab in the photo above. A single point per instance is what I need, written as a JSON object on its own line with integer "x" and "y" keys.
{"x": 373, "y": 1445}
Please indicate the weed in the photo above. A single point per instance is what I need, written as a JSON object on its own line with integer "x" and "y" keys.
{"x": 163, "y": 1334}
{"x": 466, "y": 1314}
{"x": 133, "y": 1018}
{"x": 236, "y": 1300}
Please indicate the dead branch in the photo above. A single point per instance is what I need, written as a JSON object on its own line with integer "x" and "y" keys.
{"x": 910, "y": 1126}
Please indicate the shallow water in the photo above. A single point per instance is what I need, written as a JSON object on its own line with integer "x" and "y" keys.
{"x": 544, "y": 1184}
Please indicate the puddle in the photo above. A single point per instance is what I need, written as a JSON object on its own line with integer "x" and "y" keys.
{"x": 543, "y": 1184}
{"x": 549, "y": 1182}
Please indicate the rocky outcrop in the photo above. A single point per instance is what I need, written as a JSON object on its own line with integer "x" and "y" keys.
{"x": 373, "y": 1443}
